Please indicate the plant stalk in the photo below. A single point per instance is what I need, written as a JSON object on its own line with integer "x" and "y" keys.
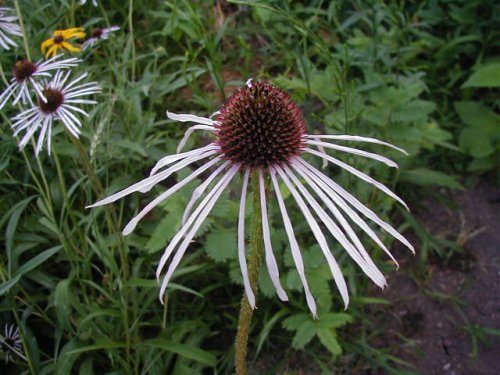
{"x": 254, "y": 263}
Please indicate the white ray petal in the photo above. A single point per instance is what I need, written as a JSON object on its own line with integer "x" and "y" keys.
{"x": 318, "y": 234}
{"x": 355, "y": 151}
{"x": 294, "y": 246}
{"x": 321, "y": 149}
{"x": 189, "y": 236}
{"x": 357, "y": 138}
{"x": 190, "y": 131}
{"x": 134, "y": 221}
{"x": 41, "y": 137}
{"x": 345, "y": 207}
{"x": 181, "y": 164}
{"x": 272, "y": 266}
{"x": 147, "y": 181}
{"x": 200, "y": 190}
{"x": 359, "y": 174}
{"x": 241, "y": 242}
{"x": 368, "y": 268}
{"x": 358, "y": 205}
{"x": 173, "y": 158}
{"x": 189, "y": 118}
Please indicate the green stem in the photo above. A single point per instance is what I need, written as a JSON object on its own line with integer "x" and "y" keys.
{"x": 21, "y": 24}
{"x": 254, "y": 263}
{"x": 131, "y": 28}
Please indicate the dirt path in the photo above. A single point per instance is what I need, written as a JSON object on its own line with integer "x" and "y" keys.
{"x": 443, "y": 313}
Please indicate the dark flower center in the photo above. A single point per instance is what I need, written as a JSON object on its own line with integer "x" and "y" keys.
{"x": 54, "y": 100}
{"x": 23, "y": 70}
{"x": 7, "y": 344}
{"x": 97, "y": 33}
{"x": 58, "y": 39}
{"x": 260, "y": 126}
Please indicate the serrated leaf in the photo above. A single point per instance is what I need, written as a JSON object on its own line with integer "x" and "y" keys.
{"x": 163, "y": 233}
{"x": 334, "y": 320}
{"x": 329, "y": 341}
{"x": 487, "y": 75}
{"x": 293, "y": 322}
{"x": 304, "y": 334}
{"x": 221, "y": 244}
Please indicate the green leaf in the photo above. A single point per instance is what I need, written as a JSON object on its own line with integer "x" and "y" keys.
{"x": 487, "y": 75}
{"x": 428, "y": 177}
{"x": 293, "y": 322}
{"x": 221, "y": 244}
{"x": 186, "y": 351}
{"x": 334, "y": 320}
{"x": 163, "y": 233}
{"x": 62, "y": 303}
{"x": 304, "y": 334}
{"x": 329, "y": 341}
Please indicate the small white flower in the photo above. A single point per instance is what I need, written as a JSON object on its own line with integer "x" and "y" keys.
{"x": 83, "y": 2}
{"x": 261, "y": 130}
{"x": 11, "y": 343}
{"x": 25, "y": 73}
{"x": 99, "y": 34}
{"x": 60, "y": 102}
{"x": 8, "y": 25}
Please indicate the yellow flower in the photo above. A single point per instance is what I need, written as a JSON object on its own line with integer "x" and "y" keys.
{"x": 60, "y": 41}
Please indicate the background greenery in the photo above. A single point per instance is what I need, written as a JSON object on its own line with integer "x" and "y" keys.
{"x": 422, "y": 75}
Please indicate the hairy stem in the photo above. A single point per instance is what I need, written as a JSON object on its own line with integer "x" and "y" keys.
{"x": 254, "y": 263}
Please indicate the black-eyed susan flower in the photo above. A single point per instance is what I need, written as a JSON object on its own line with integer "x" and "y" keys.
{"x": 61, "y": 41}
{"x": 25, "y": 74}
{"x": 98, "y": 35}
{"x": 260, "y": 129}
{"x": 8, "y": 25}
{"x": 62, "y": 100}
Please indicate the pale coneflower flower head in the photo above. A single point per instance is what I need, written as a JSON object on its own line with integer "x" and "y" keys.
{"x": 8, "y": 25}
{"x": 10, "y": 344}
{"x": 83, "y": 2}
{"x": 98, "y": 35}
{"x": 260, "y": 129}
{"x": 26, "y": 73}
{"x": 62, "y": 101}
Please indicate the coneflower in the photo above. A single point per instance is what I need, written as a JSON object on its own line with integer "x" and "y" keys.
{"x": 62, "y": 101}
{"x": 260, "y": 129}
{"x": 25, "y": 74}
{"x": 8, "y": 25}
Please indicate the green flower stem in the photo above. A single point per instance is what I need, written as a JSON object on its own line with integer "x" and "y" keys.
{"x": 21, "y": 24}
{"x": 254, "y": 263}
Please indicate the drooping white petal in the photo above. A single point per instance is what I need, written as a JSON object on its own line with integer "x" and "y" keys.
{"x": 181, "y": 164}
{"x": 173, "y": 158}
{"x": 359, "y": 174}
{"x": 294, "y": 246}
{"x": 272, "y": 266}
{"x": 368, "y": 268}
{"x": 318, "y": 234}
{"x": 350, "y": 212}
{"x": 147, "y": 182}
{"x": 355, "y": 151}
{"x": 321, "y": 149}
{"x": 358, "y": 205}
{"x": 241, "y": 242}
{"x": 196, "y": 225}
{"x": 134, "y": 221}
{"x": 357, "y": 138}
{"x": 190, "y": 131}
{"x": 178, "y": 236}
{"x": 200, "y": 190}
{"x": 189, "y": 118}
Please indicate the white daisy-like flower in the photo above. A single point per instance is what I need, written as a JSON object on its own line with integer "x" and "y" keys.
{"x": 25, "y": 74}
{"x": 260, "y": 129}
{"x": 11, "y": 342}
{"x": 61, "y": 103}
{"x": 8, "y": 25}
{"x": 98, "y": 35}
{"x": 83, "y": 2}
